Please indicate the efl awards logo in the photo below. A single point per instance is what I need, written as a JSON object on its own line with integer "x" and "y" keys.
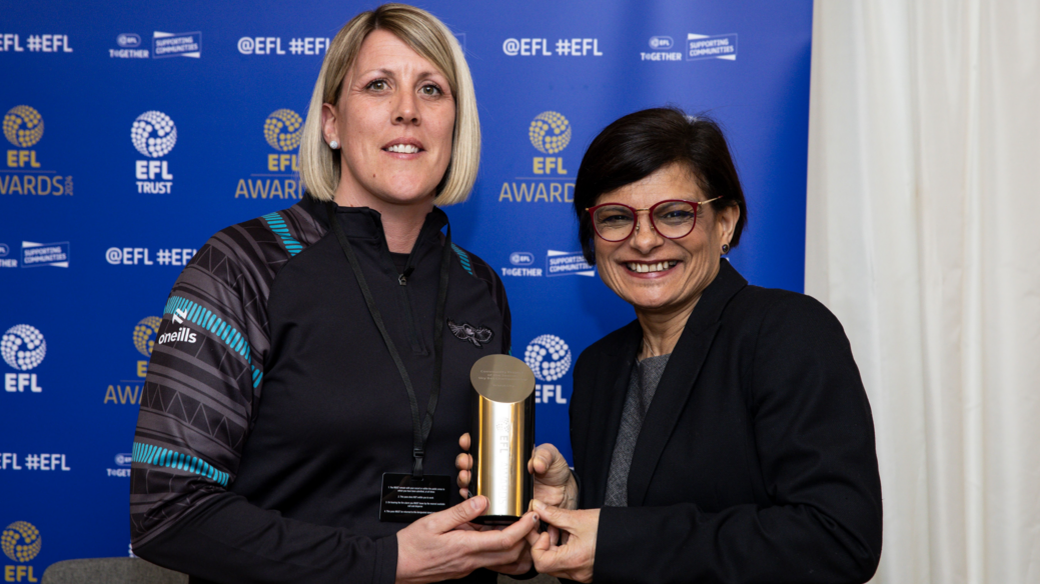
{"x": 24, "y": 173}
{"x": 549, "y": 358}
{"x": 283, "y": 130}
{"x": 23, "y": 348}
{"x": 21, "y": 542}
{"x": 550, "y": 133}
{"x": 128, "y": 391}
{"x": 154, "y": 135}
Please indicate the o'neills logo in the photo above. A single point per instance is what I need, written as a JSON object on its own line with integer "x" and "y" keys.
{"x": 183, "y": 335}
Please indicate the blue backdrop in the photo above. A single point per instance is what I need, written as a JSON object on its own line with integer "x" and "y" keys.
{"x": 133, "y": 131}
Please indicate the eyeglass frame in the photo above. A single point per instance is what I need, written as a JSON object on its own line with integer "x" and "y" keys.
{"x": 650, "y": 214}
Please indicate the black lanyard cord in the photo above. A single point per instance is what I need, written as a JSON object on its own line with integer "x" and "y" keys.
{"x": 420, "y": 432}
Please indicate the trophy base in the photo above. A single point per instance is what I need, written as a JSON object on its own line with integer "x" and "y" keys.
{"x": 496, "y": 519}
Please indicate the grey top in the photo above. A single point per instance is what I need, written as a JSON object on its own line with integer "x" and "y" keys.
{"x": 641, "y": 387}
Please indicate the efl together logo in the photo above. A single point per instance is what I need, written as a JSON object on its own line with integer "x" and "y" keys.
{"x": 23, "y": 128}
{"x": 21, "y": 541}
{"x": 283, "y": 130}
{"x": 549, "y": 133}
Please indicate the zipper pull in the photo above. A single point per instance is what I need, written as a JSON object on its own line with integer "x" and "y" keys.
{"x": 402, "y": 280}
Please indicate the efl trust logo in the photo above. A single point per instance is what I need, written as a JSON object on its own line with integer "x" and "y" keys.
{"x": 549, "y": 133}
{"x": 154, "y": 135}
{"x": 23, "y": 348}
{"x": 128, "y": 391}
{"x": 283, "y": 129}
{"x": 24, "y": 174}
{"x": 549, "y": 358}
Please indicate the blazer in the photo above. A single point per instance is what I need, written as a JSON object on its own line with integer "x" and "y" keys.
{"x": 756, "y": 459}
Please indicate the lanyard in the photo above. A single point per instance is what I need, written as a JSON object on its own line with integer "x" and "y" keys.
{"x": 420, "y": 432}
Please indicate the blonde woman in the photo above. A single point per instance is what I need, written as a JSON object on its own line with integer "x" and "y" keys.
{"x": 325, "y": 340}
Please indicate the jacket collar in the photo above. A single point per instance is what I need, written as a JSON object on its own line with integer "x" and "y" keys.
{"x": 672, "y": 392}
{"x": 366, "y": 223}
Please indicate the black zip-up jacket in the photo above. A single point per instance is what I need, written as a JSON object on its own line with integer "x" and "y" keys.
{"x": 272, "y": 406}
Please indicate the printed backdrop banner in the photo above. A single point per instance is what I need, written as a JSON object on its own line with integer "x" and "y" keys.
{"x": 133, "y": 131}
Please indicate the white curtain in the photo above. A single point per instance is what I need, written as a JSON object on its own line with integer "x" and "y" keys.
{"x": 924, "y": 238}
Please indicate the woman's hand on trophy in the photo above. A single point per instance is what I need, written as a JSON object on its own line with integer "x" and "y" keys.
{"x": 442, "y": 545}
{"x": 554, "y": 483}
{"x": 574, "y": 555}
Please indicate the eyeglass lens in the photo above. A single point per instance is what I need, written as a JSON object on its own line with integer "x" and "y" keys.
{"x": 672, "y": 219}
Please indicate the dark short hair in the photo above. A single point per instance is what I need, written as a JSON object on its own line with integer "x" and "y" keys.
{"x": 639, "y": 144}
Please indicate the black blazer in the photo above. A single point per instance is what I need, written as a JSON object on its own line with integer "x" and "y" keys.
{"x": 756, "y": 460}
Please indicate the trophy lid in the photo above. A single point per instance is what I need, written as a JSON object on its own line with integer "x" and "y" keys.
{"x": 502, "y": 378}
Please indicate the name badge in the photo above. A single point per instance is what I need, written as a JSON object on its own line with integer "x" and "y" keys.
{"x": 406, "y": 498}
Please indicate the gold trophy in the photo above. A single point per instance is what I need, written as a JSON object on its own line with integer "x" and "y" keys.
{"x": 503, "y": 437}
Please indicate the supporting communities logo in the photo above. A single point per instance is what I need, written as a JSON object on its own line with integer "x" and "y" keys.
{"x": 24, "y": 172}
{"x": 549, "y": 358}
{"x": 549, "y": 181}
{"x": 128, "y": 391}
{"x": 283, "y": 129}
{"x": 23, "y": 349}
{"x": 698, "y": 47}
{"x": 154, "y": 135}
{"x": 35, "y": 255}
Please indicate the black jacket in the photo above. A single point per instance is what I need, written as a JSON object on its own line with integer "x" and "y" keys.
{"x": 756, "y": 460}
{"x": 265, "y": 427}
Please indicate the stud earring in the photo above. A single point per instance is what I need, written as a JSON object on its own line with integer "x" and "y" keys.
{"x": 725, "y": 248}
{"x": 334, "y": 145}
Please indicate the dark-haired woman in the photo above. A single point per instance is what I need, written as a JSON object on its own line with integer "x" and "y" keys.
{"x": 724, "y": 435}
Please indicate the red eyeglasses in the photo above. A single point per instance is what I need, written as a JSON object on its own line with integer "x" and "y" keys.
{"x": 671, "y": 218}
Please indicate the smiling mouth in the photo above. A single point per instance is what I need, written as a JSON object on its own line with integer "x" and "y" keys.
{"x": 647, "y": 268}
{"x": 402, "y": 149}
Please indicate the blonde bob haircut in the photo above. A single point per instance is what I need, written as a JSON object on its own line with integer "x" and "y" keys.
{"x": 427, "y": 36}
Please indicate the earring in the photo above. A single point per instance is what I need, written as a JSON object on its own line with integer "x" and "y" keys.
{"x": 334, "y": 145}
{"x": 725, "y": 248}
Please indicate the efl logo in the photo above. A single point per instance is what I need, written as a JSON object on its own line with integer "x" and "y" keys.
{"x": 283, "y": 129}
{"x": 549, "y": 358}
{"x": 521, "y": 258}
{"x": 550, "y": 133}
{"x": 21, "y": 543}
{"x": 153, "y": 134}
{"x": 23, "y": 128}
{"x": 661, "y": 43}
{"x": 128, "y": 40}
{"x": 23, "y": 348}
